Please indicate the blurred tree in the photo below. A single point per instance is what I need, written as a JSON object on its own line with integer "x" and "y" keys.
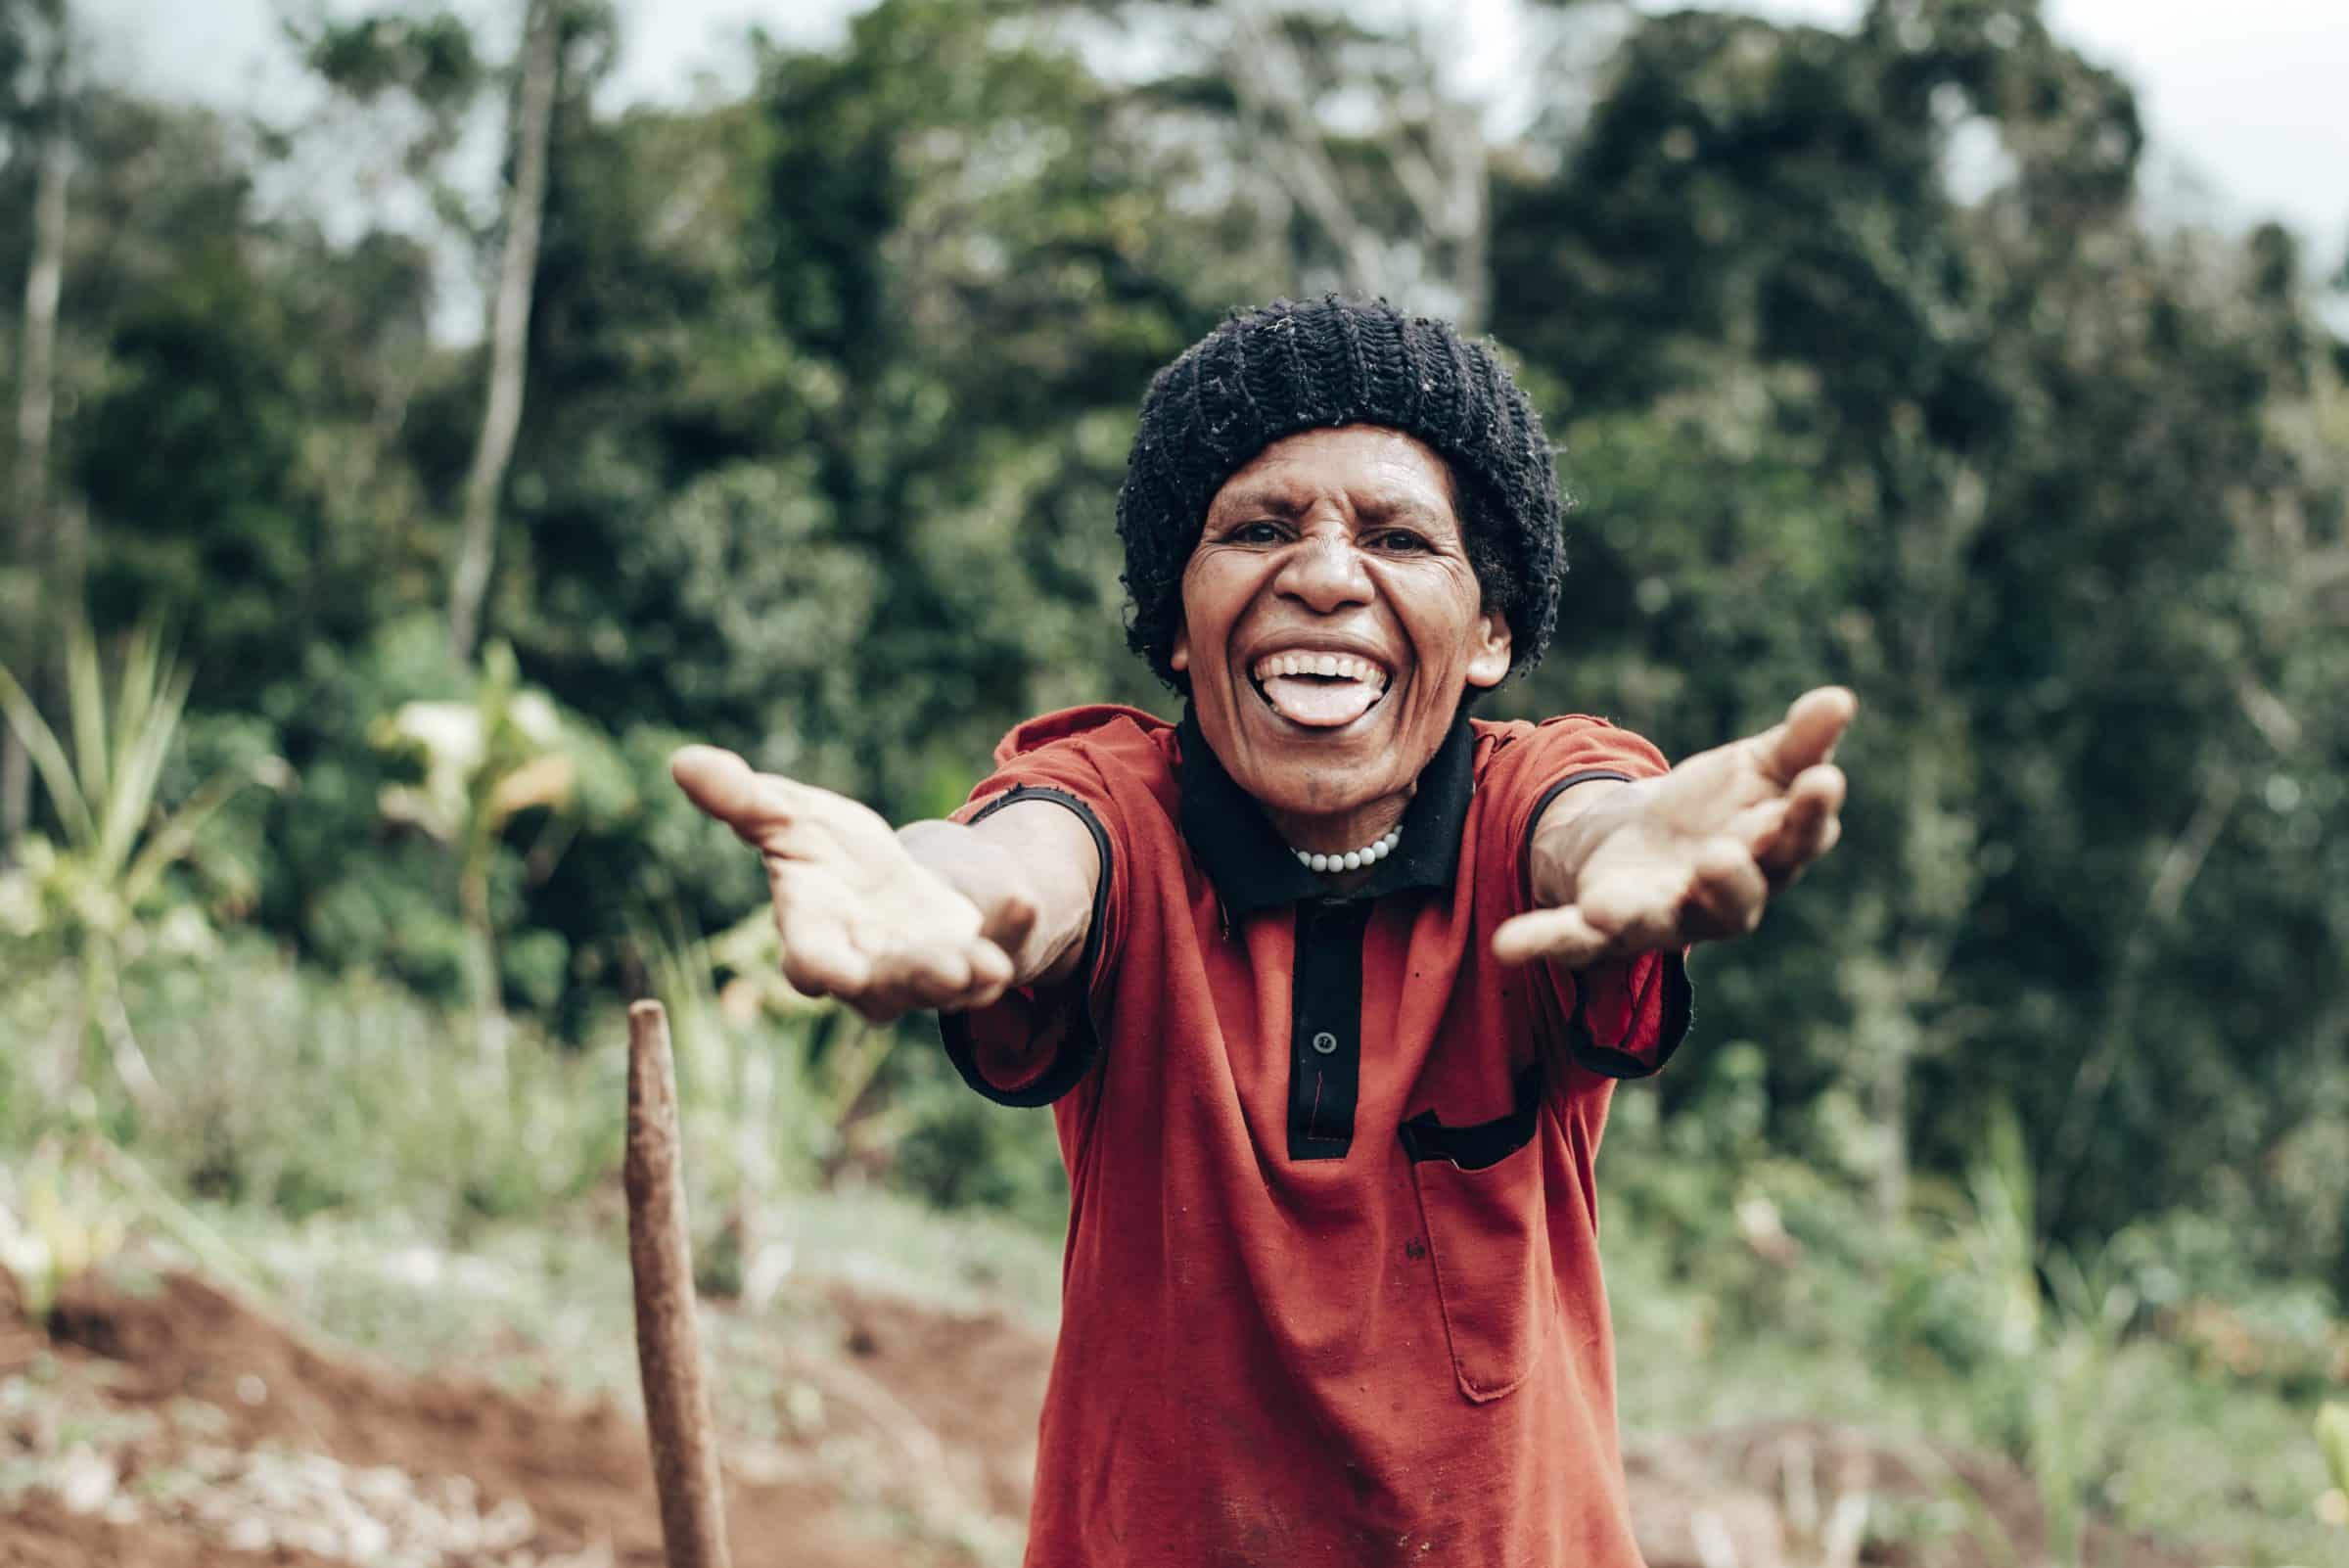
{"x": 232, "y": 391}
{"x": 36, "y": 113}
{"x": 1979, "y": 445}
{"x": 427, "y": 59}
{"x": 1342, "y": 156}
{"x": 509, "y": 323}
{"x": 835, "y": 383}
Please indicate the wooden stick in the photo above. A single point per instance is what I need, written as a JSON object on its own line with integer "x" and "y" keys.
{"x": 677, "y": 1406}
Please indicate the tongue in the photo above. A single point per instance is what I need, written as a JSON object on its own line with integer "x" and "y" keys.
{"x": 1319, "y": 704}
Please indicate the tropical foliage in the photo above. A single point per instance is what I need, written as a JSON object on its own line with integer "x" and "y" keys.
{"x": 1868, "y": 363}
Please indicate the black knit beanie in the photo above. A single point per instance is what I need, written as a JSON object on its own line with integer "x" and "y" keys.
{"x": 1290, "y": 366}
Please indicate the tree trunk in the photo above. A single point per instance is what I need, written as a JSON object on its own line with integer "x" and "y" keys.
{"x": 1275, "y": 87}
{"x": 1471, "y": 210}
{"x": 43, "y": 282}
{"x": 509, "y": 329}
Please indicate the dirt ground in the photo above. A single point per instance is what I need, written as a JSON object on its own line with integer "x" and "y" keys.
{"x": 174, "y": 1426}
{"x": 181, "y": 1427}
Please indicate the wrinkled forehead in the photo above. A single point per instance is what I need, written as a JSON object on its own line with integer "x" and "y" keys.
{"x": 1378, "y": 472}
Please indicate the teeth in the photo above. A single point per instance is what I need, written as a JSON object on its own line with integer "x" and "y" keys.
{"x": 1345, "y": 666}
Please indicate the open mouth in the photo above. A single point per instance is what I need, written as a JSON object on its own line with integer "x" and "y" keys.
{"x": 1318, "y": 690}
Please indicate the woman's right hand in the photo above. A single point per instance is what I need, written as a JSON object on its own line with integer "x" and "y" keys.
{"x": 861, "y": 919}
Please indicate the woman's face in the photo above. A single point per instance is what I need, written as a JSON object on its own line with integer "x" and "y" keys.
{"x": 1331, "y": 623}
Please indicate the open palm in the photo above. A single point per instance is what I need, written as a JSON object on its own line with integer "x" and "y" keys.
{"x": 1694, "y": 856}
{"x": 859, "y": 918}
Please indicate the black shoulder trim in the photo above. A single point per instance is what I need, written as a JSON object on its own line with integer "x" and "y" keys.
{"x": 1589, "y": 776}
{"x": 1612, "y": 1061}
{"x": 1084, "y": 1035}
{"x": 1558, "y": 787}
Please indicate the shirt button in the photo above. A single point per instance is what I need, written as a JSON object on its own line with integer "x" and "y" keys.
{"x": 1325, "y": 1043}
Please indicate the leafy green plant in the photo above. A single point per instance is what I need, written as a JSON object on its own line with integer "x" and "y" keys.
{"x": 94, "y": 891}
{"x": 2056, "y": 1321}
{"x": 482, "y": 762}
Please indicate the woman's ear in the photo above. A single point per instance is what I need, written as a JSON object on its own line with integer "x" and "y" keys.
{"x": 1180, "y": 655}
{"x": 1489, "y": 650}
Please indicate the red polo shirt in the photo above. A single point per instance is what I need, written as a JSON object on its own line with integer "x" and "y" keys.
{"x": 1331, "y": 1293}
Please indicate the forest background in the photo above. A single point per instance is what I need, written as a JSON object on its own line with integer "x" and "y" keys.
{"x": 343, "y": 660}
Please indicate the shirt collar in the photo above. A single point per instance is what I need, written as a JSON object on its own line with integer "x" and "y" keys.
{"x": 1253, "y": 868}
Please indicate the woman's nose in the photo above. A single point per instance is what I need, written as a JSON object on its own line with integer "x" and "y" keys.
{"x": 1326, "y": 573}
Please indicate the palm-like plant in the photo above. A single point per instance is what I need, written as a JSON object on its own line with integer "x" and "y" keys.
{"x": 484, "y": 761}
{"x": 93, "y": 888}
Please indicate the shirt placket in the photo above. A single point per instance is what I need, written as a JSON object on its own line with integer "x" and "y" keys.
{"x": 1325, "y": 1036}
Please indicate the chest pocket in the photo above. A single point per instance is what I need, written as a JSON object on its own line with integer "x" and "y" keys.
{"x": 1482, "y": 1204}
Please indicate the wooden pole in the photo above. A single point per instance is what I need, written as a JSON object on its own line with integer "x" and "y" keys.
{"x": 677, "y": 1406}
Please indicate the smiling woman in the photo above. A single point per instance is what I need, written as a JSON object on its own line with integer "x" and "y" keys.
{"x": 1329, "y": 984}
{"x": 1333, "y": 578}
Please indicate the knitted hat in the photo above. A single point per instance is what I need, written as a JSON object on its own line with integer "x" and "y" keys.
{"x": 1288, "y": 367}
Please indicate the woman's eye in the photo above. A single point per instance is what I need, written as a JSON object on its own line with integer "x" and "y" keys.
{"x": 1254, "y": 533}
{"x": 1400, "y": 542}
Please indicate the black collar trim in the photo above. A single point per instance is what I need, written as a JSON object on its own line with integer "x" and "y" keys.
{"x": 1251, "y": 867}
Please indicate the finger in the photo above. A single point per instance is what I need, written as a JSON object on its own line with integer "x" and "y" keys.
{"x": 1639, "y": 909}
{"x": 990, "y": 966}
{"x": 1807, "y": 737}
{"x": 1619, "y": 904}
{"x": 1821, "y": 842}
{"x": 1756, "y": 825}
{"x": 722, "y": 785}
{"x": 825, "y": 968}
{"x": 1728, "y": 892}
{"x": 1654, "y": 924}
{"x": 1008, "y": 924}
{"x": 991, "y": 975}
{"x": 1560, "y": 935}
{"x": 925, "y": 977}
{"x": 1823, "y": 782}
{"x": 1800, "y": 835}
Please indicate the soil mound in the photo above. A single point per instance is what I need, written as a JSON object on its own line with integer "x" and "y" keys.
{"x": 183, "y": 1427}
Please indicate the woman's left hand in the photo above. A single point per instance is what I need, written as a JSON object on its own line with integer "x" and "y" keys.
{"x": 1694, "y": 856}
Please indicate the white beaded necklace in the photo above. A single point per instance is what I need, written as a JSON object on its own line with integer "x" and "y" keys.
{"x": 1352, "y": 860}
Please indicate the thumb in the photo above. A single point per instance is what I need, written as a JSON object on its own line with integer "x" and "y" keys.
{"x": 1807, "y": 737}
{"x": 724, "y": 786}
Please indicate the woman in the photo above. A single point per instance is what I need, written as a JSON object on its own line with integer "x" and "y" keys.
{"x": 1327, "y": 985}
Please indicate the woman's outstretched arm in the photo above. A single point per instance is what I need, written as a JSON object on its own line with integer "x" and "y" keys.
{"x": 936, "y": 914}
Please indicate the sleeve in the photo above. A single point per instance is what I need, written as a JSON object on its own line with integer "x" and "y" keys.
{"x": 1623, "y": 1017}
{"x": 1037, "y": 1043}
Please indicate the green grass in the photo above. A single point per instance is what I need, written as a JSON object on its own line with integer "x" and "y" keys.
{"x": 1918, "y": 1330}
{"x": 349, "y": 1146}
{"x": 521, "y": 1303}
